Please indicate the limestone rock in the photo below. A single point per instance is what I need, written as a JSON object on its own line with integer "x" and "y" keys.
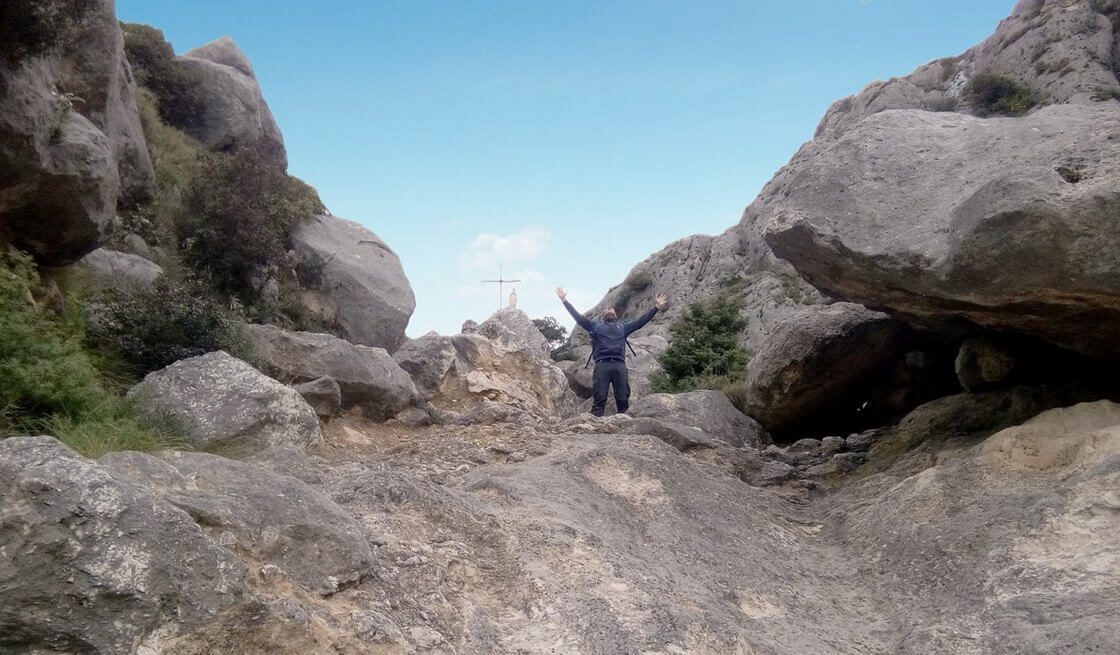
{"x": 351, "y": 277}
{"x": 93, "y": 564}
{"x": 820, "y": 362}
{"x": 323, "y": 394}
{"x": 368, "y": 377}
{"x": 941, "y": 216}
{"x": 278, "y": 519}
{"x": 233, "y": 109}
{"x": 511, "y": 330}
{"x": 981, "y": 364}
{"x": 116, "y": 270}
{"x": 709, "y": 410}
{"x": 226, "y": 404}
{"x": 71, "y": 145}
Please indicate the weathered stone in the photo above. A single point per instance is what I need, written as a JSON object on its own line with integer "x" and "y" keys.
{"x": 368, "y": 377}
{"x": 805, "y": 446}
{"x": 413, "y": 417}
{"x": 232, "y": 108}
{"x": 942, "y": 217}
{"x": 278, "y": 519}
{"x": 511, "y": 330}
{"x": 226, "y": 404}
{"x": 821, "y": 362}
{"x": 323, "y": 394}
{"x": 119, "y": 270}
{"x": 861, "y": 441}
{"x": 71, "y": 144}
{"x": 982, "y": 364}
{"x": 711, "y": 411}
{"x": 351, "y": 277}
{"x": 429, "y": 358}
{"x": 92, "y": 564}
{"x": 832, "y": 445}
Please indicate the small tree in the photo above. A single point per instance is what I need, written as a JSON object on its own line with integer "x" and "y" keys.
{"x": 553, "y": 332}
{"x": 704, "y": 351}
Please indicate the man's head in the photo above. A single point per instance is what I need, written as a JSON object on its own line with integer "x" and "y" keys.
{"x": 609, "y": 315}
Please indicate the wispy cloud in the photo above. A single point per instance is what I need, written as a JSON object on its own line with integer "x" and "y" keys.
{"x": 489, "y": 250}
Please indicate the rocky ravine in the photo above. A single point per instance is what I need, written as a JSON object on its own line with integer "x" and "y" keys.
{"x": 566, "y": 537}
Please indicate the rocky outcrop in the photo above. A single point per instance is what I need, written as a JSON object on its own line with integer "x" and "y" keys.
{"x": 272, "y": 518}
{"x": 505, "y": 362}
{"x": 368, "y": 378}
{"x": 352, "y": 279}
{"x": 93, "y": 564}
{"x": 226, "y": 405}
{"x": 944, "y": 216}
{"x": 71, "y": 144}
{"x": 232, "y": 109}
{"x": 119, "y": 270}
{"x": 823, "y": 362}
{"x": 709, "y": 410}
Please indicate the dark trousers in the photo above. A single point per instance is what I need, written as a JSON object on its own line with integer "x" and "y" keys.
{"x": 607, "y": 373}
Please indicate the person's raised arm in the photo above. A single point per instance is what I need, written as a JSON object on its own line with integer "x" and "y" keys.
{"x": 660, "y": 303}
{"x": 581, "y": 320}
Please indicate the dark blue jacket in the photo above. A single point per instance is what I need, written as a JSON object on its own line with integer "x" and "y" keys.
{"x": 608, "y": 339}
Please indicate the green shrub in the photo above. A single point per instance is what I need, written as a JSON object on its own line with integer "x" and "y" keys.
{"x": 240, "y": 214}
{"x": 151, "y": 328}
{"x": 174, "y": 84}
{"x": 50, "y": 384}
{"x": 30, "y": 28}
{"x": 551, "y": 330}
{"x": 704, "y": 350}
{"x": 43, "y": 370}
{"x": 991, "y": 93}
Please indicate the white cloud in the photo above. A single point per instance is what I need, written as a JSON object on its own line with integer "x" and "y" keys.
{"x": 489, "y": 250}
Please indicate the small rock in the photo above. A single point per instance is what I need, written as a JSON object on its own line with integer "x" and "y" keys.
{"x": 424, "y": 636}
{"x": 832, "y": 445}
{"x": 805, "y": 446}
{"x": 323, "y": 394}
{"x": 861, "y": 442}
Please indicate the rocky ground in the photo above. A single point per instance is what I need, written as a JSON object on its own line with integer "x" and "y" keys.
{"x": 572, "y": 536}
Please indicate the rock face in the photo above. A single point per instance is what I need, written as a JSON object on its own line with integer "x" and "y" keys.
{"x": 323, "y": 394}
{"x": 93, "y": 564}
{"x": 352, "y": 278}
{"x": 368, "y": 377}
{"x": 505, "y": 362}
{"x": 233, "y": 109}
{"x": 943, "y": 216}
{"x": 711, "y": 411}
{"x": 982, "y": 363}
{"x": 115, "y": 270}
{"x": 275, "y": 518}
{"x": 71, "y": 145}
{"x": 226, "y": 404}
{"x": 809, "y": 367}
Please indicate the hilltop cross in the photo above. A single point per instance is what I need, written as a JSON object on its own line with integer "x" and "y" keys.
{"x": 501, "y": 284}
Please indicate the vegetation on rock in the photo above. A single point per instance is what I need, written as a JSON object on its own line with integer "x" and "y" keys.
{"x": 50, "y": 382}
{"x": 30, "y": 28}
{"x": 704, "y": 351}
{"x": 992, "y": 93}
{"x": 174, "y": 85}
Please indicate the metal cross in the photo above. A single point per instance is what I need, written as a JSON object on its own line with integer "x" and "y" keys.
{"x": 501, "y": 284}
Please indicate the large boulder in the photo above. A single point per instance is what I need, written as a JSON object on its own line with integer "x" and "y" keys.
{"x": 352, "y": 278}
{"x": 820, "y": 363}
{"x": 71, "y": 144}
{"x": 232, "y": 108}
{"x": 709, "y": 410}
{"x": 368, "y": 377}
{"x": 227, "y": 405}
{"x": 429, "y": 358}
{"x": 273, "y": 518}
{"x": 116, "y": 270}
{"x": 1005, "y": 222}
{"x": 91, "y": 563}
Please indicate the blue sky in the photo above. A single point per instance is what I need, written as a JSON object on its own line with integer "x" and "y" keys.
{"x": 565, "y": 140}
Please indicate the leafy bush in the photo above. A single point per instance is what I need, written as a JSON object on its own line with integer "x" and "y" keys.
{"x": 30, "y": 28}
{"x": 991, "y": 93}
{"x": 42, "y": 369}
{"x": 174, "y": 84}
{"x": 704, "y": 350}
{"x": 49, "y": 384}
{"x": 151, "y": 328}
{"x": 240, "y": 214}
{"x": 551, "y": 330}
